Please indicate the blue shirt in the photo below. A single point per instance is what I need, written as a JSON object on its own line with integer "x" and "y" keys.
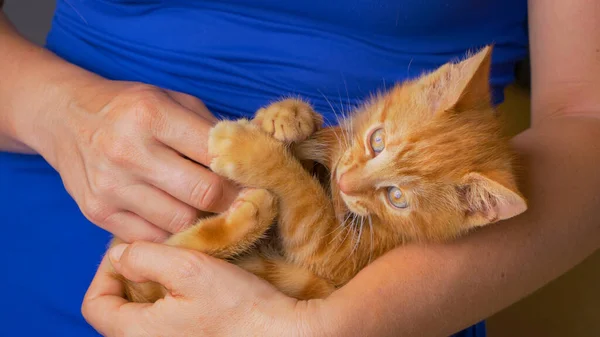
{"x": 236, "y": 56}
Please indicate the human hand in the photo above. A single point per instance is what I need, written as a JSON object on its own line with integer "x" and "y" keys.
{"x": 120, "y": 152}
{"x": 206, "y": 297}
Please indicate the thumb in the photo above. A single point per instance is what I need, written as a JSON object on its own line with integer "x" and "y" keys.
{"x": 174, "y": 268}
{"x": 105, "y": 309}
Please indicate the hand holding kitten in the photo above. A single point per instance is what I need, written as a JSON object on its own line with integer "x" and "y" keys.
{"x": 122, "y": 156}
{"x": 214, "y": 298}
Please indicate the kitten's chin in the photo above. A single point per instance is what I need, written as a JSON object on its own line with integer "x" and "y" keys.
{"x": 354, "y": 205}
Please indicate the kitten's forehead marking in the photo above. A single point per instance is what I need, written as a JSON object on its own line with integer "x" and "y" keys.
{"x": 375, "y": 164}
{"x": 380, "y": 170}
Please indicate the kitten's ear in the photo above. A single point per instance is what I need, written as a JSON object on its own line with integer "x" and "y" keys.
{"x": 488, "y": 199}
{"x": 473, "y": 82}
{"x": 463, "y": 85}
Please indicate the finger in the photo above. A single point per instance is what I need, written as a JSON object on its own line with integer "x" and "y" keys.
{"x": 185, "y": 132}
{"x": 176, "y": 269}
{"x": 192, "y": 103}
{"x": 191, "y": 183}
{"x": 104, "y": 306}
{"x": 157, "y": 207}
{"x": 131, "y": 227}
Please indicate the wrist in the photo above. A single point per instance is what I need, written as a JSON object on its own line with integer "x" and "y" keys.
{"x": 316, "y": 318}
{"x": 36, "y": 92}
{"x": 55, "y": 116}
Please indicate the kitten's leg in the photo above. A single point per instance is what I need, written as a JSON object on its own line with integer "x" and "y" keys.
{"x": 233, "y": 231}
{"x": 222, "y": 236}
{"x": 293, "y": 280}
{"x": 244, "y": 153}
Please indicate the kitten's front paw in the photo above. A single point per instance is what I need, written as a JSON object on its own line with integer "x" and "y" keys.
{"x": 240, "y": 151}
{"x": 257, "y": 204}
{"x": 289, "y": 120}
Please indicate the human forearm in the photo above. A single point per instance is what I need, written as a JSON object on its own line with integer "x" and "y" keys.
{"x": 34, "y": 82}
{"x": 438, "y": 290}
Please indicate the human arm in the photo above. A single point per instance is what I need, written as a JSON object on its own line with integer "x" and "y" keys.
{"x": 17, "y": 54}
{"x": 117, "y": 150}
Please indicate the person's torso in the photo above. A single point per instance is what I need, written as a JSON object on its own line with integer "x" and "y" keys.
{"x": 238, "y": 55}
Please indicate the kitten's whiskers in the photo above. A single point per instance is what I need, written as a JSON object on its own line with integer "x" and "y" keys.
{"x": 339, "y": 228}
{"x": 371, "y": 245}
{"x": 335, "y": 114}
{"x": 360, "y": 230}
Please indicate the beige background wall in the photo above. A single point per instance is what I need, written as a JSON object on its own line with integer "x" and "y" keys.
{"x": 568, "y": 307}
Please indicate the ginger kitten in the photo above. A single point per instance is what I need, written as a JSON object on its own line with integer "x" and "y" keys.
{"x": 424, "y": 162}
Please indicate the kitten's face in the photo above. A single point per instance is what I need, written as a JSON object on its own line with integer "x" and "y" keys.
{"x": 423, "y": 171}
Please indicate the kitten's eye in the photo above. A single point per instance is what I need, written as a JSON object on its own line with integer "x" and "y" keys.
{"x": 377, "y": 141}
{"x": 396, "y": 197}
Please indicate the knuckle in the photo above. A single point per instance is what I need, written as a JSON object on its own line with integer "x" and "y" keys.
{"x": 101, "y": 182}
{"x": 207, "y": 193}
{"x": 144, "y": 107}
{"x": 140, "y": 106}
{"x": 125, "y": 152}
{"x": 114, "y": 144}
{"x": 137, "y": 98}
{"x": 118, "y": 151}
{"x": 147, "y": 113}
{"x": 95, "y": 210}
{"x": 138, "y": 91}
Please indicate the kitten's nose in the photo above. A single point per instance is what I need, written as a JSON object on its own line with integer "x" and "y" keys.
{"x": 345, "y": 184}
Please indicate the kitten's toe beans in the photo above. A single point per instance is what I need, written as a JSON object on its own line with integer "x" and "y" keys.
{"x": 289, "y": 120}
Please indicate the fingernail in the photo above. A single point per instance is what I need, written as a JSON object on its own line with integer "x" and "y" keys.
{"x": 115, "y": 253}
